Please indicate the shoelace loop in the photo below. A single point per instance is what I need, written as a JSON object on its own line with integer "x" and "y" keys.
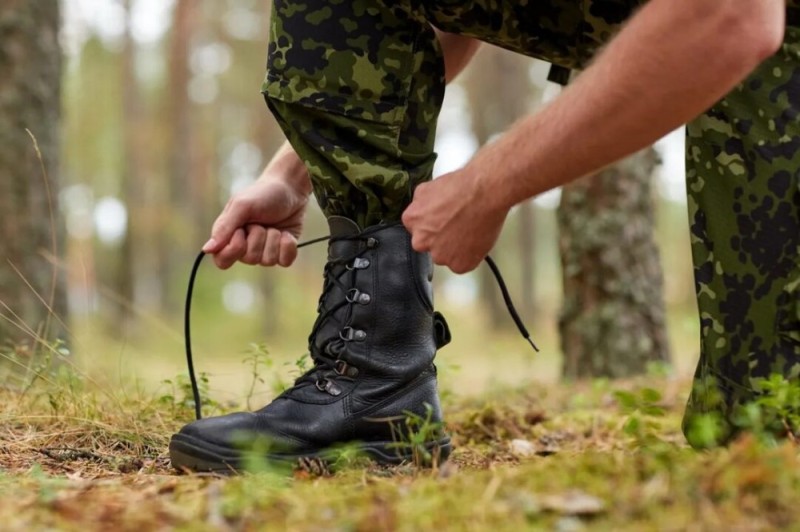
{"x": 327, "y": 364}
{"x": 324, "y": 363}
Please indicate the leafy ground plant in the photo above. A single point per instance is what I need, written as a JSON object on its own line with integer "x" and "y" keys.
{"x": 78, "y": 455}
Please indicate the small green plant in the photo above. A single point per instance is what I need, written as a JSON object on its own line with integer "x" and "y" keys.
{"x": 301, "y": 365}
{"x": 774, "y": 412}
{"x": 255, "y": 457}
{"x": 705, "y": 431}
{"x": 415, "y": 433}
{"x": 29, "y": 366}
{"x": 261, "y": 363}
{"x": 707, "y": 427}
{"x": 642, "y": 409}
{"x": 258, "y": 359}
{"x": 180, "y": 398}
{"x": 347, "y": 456}
{"x": 771, "y": 414}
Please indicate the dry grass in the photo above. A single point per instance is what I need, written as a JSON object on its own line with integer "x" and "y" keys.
{"x": 76, "y": 456}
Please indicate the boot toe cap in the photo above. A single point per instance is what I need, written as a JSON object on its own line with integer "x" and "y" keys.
{"x": 240, "y": 430}
{"x": 221, "y": 430}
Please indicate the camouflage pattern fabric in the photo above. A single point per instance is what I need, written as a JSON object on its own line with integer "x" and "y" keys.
{"x": 743, "y": 180}
{"x": 357, "y": 87}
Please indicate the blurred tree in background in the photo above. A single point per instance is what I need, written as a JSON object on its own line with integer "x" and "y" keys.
{"x": 612, "y": 322}
{"x": 167, "y": 122}
{"x": 31, "y": 231}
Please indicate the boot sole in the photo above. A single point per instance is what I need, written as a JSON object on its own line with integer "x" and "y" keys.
{"x": 192, "y": 454}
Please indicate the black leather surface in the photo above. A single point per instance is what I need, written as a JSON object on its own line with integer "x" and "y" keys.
{"x": 394, "y": 358}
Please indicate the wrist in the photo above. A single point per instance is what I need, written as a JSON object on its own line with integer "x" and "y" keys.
{"x": 287, "y": 167}
{"x": 299, "y": 179}
{"x": 490, "y": 187}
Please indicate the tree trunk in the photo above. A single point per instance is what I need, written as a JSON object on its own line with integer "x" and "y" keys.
{"x": 179, "y": 214}
{"x": 612, "y": 322}
{"x": 30, "y": 233}
{"x": 127, "y": 270}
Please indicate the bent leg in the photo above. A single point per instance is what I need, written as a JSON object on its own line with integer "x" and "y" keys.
{"x": 743, "y": 179}
{"x": 357, "y": 87}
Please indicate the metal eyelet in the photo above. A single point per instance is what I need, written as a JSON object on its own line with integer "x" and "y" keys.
{"x": 360, "y": 263}
{"x": 344, "y": 369}
{"x": 372, "y": 243}
{"x": 328, "y": 386}
{"x": 332, "y": 388}
{"x": 349, "y": 334}
{"x": 354, "y": 296}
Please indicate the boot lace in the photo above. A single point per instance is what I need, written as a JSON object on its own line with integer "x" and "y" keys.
{"x": 339, "y": 273}
{"x": 327, "y": 364}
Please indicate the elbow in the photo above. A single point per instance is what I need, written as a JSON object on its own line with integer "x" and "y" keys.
{"x": 755, "y": 30}
{"x": 768, "y": 35}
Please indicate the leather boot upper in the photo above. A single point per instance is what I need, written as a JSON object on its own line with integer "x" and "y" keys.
{"x": 373, "y": 345}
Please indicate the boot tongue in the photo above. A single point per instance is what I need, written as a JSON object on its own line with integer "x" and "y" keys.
{"x": 342, "y": 227}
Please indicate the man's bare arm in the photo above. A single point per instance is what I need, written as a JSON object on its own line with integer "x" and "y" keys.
{"x": 672, "y": 61}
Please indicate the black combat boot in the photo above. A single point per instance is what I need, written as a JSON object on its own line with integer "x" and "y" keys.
{"x": 373, "y": 345}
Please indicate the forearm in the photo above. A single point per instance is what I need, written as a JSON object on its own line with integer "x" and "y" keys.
{"x": 671, "y": 62}
{"x": 286, "y": 165}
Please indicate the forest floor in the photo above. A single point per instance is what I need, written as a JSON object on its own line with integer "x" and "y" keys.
{"x": 602, "y": 455}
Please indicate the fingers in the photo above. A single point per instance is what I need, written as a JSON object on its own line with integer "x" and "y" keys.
{"x": 233, "y": 251}
{"x": 256, "y": 240}
{"x": 271, "y": 252}
{"x": 419, "y": 241}
{"x": 423, "y": 241}
{"x": 457, "y": 265}
{"x": 225, "y": 226}
{"x": 288, "y": 249}
{"x": 257, "y": 245}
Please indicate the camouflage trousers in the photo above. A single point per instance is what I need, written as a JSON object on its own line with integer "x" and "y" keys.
{"x": 357, "y": 86}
